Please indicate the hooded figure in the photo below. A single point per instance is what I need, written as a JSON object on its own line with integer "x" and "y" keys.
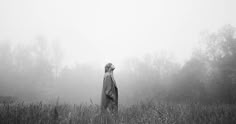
{"x": 109, "y": 100}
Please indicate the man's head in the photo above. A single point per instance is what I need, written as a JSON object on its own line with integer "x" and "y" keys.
{"x": 109, "y": 67}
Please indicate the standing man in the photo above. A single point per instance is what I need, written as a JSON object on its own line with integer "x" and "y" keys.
{"x": 109, "y": 100}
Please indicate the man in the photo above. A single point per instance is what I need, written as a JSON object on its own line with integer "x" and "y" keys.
{"x": 109, "y": 100}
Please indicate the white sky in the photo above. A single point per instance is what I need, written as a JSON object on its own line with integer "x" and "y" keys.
{"x": 110, "y": 30}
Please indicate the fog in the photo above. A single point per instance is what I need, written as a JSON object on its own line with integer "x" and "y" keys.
{"x": 165, "y": 50}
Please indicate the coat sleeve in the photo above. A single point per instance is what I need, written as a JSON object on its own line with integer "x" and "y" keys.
{"x": 108, "y": 87}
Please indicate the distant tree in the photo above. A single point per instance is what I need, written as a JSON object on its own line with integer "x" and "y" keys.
{"x": 147, "y": 77}
{"x": 25, "y": 69}
{"x": 220, "y": 49}
{"x": 6, "y": 67}
{"x": 57, "y": 57}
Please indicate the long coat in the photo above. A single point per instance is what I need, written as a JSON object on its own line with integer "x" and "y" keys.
{"x": 109, "y": 99}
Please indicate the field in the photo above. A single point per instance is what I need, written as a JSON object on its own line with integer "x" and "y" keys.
{"x": 140, "y": 113}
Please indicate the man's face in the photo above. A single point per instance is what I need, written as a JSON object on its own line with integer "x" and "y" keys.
{"x": 112, "y": 67}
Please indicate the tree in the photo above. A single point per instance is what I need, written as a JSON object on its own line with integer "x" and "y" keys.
{"x": 221, "y": 53}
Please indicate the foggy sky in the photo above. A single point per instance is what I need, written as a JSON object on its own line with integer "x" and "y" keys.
{"x": 103, "y": 30}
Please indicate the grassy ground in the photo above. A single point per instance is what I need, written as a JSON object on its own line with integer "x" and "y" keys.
{"x": 140, "y": 113}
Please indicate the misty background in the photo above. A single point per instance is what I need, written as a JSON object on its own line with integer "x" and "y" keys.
{"x": 165, "y": 50}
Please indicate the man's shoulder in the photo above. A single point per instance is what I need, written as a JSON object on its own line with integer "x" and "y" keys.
{"x": 106, "y": 75}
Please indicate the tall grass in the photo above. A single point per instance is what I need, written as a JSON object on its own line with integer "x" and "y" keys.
{"x": 140, "y": 113}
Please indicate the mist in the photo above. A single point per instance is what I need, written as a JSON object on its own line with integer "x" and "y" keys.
{"x": 162, "y": 50}
{"x": 34, "y": 72}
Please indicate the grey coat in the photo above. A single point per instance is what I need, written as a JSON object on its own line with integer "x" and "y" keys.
{"x": 109, "y": 99}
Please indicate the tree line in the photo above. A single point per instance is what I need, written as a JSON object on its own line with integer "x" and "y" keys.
{"x": 209, "y": 76}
